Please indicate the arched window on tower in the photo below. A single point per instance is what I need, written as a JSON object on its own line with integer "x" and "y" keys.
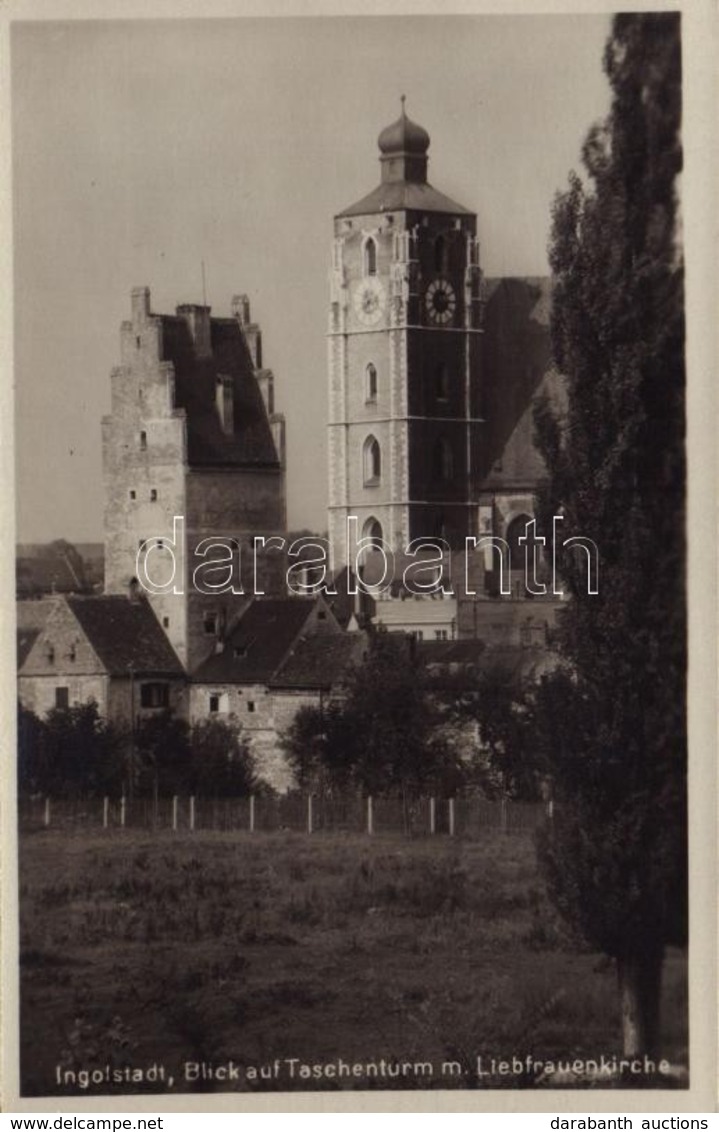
{"x": 371, "y": 383}
{"x": 370, "y": 256}
{"x": 441, "y": 382}
{"x": 440, "y": 254}
{"x": 371, "y": 462}
{"x": 443, "y": 460}
{"x": 373, "y": 530}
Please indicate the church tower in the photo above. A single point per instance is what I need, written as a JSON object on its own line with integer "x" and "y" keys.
{"x": 404, "y": 357}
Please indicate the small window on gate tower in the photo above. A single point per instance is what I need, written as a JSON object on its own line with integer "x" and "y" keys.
{"x": 143, "y": 441}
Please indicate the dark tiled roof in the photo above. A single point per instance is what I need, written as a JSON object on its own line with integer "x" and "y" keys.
{"x": 259, "y": 642}
{"x": 25, "y": 640}
{"x": 125, "y": 633}
{"x": 251, "y": 443}
{"x": 45, "y": 576}
{"x": 408, "y": 195}
{"x": 318, "y": 662}
{"x": 516, "y": 661}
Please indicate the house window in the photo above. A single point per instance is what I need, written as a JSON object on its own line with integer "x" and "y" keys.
{"x": 62, "y": 698}
{"x": 372, "y": 462}
{"x": 166, "y": 622}
{"x": 371, "y": 383}
{"x": 155, "y": 695}
{"x": 370, "y": 257}
{"x": 133, "y": 495}
{"x": 440, "y": 635}
{"x": 209, "y": 622}
{"x": 50, "y": 653}
{"x": 72, "y": 654}
{"x": 250, "y": 705}
{"x": 137, "y": 341}
{"x": 219, "y": 703}
{"x": 143, "y": 441}
{"x": 153, "y": 495}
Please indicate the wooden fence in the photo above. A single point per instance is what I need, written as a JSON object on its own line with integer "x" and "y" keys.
{"x": 300, "y": 813}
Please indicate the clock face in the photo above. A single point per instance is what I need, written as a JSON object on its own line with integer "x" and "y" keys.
{"x": 369, "y": 301}
{"x": 440, "y": 301}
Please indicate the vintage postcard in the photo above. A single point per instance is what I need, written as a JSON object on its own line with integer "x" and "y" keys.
{"x": 360, "y": 677}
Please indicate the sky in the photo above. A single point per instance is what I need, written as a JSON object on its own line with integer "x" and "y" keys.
{"x": 143, "y": 148}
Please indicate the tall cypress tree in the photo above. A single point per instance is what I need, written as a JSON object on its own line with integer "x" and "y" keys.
{"x": 613, "y": 726}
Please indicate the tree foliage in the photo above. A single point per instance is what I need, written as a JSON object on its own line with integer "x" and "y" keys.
{"x": 612, "y": 726}
{"x": 382, "y": 733}
{"x": 73, "y": 751}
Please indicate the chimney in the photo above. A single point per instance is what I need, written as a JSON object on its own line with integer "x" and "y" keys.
{"x": 140, "y": 298}
{"x": 197, "y": 318}
{"x": 241, "y": 309}
{"x": 251, "y": 331}
{"x": 225, "y": 403}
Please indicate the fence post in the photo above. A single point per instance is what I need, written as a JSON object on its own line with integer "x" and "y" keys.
{"x": 122, "y": 812}
{"x": 432, "y": 816}
{"x": 192, "y": 812}
{"x": 46, "y": 815}
{"x": 370, "y": 815}
{"x": 309, "y": 813}
{"x": 174, "y": 812}
{"x": 451, "y": 817}
{"x": 105, "y": 812}
{"x": 252, "y": 813}
{"x": 503, "y": 815}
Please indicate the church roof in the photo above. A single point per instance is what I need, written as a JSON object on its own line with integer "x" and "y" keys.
{"x": 250, "y": 444}
{"x": 411, "y": 196}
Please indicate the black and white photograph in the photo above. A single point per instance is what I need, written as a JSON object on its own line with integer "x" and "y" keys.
{"x": 352, "y": 559}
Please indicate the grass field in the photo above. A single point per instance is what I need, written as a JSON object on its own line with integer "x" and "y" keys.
{"x": 142, "y": 950}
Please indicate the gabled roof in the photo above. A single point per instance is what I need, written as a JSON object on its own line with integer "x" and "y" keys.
{"x": 250, "y": 444}
{"x": 25, "y": 640}
{"x": 411, "y": 196}
{"x": 126, "y": 635}
{"x": 255, "y": 648}
{"x": 320, "y": 661}
{"x": 34, "y": 614}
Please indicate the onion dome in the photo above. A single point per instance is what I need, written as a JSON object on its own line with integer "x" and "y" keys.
{"x": 403, "y": 137}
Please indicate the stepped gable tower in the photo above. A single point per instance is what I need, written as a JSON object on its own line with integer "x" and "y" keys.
{"x": 193, "y": 433}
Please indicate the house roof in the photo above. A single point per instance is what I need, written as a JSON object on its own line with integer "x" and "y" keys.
{"x": 125, "y": 634}
{"x": 34, "y": 614}
{"x": 45, "y": 575}
{"x": 257, "y": 645}
{"x": 318, "y": 661}
{"x": 250, "y": 444}
{"x": 25, "y": 640}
